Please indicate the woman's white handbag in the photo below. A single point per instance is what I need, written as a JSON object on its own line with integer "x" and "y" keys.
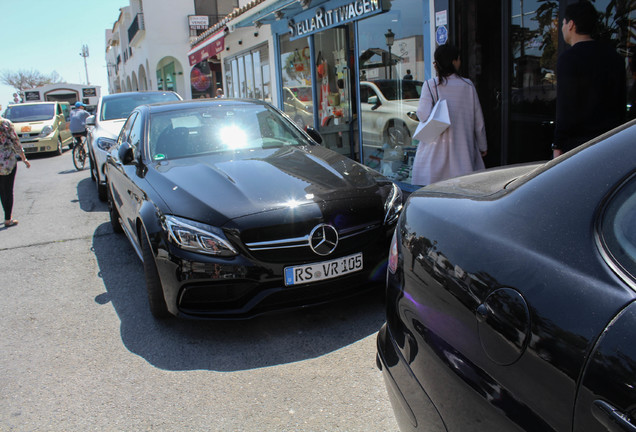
{"x": 438, "y": 121}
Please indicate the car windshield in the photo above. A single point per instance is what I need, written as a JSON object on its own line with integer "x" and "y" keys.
{"x": 120, "y": 106}
{"x": 219, "y": 128}
{"x": 26, "y": 113}
{"x": 392, "y": 90}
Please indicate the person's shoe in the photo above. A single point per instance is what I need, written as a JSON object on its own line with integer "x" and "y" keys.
{"x": 10, "y": 223}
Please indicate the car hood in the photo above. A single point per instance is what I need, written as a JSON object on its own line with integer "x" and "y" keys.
{"x": 218, "y": 188}
{"x": 480, "y": 184}
{"x": 412, "y": 103}
{"x": 110, "y": 128}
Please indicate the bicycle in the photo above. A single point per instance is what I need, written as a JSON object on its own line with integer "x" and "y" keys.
{"x": 79, "y": 153}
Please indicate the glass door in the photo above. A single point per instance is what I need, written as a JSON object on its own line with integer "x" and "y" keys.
{"x": 335, "y": 104}
{"x": 480, "y": 34}
{"x": 534, "y": 37}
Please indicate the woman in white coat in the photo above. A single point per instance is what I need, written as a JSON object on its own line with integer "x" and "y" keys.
{"x": 460, "y": 148}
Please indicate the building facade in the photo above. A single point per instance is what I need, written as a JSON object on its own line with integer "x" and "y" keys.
{"x": 354, "y": 69}
{"x": 147, "y": 47}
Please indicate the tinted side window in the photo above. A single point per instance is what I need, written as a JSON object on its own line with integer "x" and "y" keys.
{"x": 618, "y": 228}
{"x": 125, "y": 130}
{"x": 65, "y": 111}
{"x": 134, "y": 138}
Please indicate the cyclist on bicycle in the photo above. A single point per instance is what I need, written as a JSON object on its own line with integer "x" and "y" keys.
{"x": 78, "y": 122}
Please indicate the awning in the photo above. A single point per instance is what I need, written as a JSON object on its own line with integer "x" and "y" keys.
{"x": 208, "y": 47}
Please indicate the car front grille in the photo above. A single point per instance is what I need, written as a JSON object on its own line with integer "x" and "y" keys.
{"x": 297, "y": 248}
{"x": 303, "y": 242}
{"x": 28, "y": 136}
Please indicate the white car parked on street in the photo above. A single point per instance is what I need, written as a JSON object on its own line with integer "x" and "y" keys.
{"x": 105, "y": 125}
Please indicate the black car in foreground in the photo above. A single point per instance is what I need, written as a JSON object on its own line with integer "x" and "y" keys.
{"x": 235, "y": 211}
{"x": 511, "y": 297}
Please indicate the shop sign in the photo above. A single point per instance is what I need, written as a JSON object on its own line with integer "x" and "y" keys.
{"x": 89, "y": 92}
{"x": 32, "y": 96}
{"x": 199, "y": 22}
{"x": 321, "y": 18}
{"x": 212, "y": 46}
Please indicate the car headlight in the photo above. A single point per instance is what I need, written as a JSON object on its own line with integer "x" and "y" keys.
{"x": 46, "y": 131}
{"x": 393, "y": 205}
{"x": 412, "y": 115}
{"x": 197, "y": 237}
{"x": 105, "y": 143}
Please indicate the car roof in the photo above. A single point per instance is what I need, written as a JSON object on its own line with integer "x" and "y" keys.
{"x": 201, "y": 103}
{"x": 41, "y": 103}
{"x": 125, "y": 94}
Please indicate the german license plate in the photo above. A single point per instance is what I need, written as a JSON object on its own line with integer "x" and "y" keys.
{"x": 320, "y": 271}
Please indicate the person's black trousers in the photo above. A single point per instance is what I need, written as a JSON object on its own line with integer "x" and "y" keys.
{"x": 6, "y": 192}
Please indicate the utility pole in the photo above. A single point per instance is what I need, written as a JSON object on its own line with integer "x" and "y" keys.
{"x": 84, "y": 54}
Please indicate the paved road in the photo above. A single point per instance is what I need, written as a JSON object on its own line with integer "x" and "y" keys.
{"x": 79, "y": 350}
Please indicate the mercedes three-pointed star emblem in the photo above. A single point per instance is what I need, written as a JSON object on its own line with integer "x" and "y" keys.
{"x": 323, "y": 239}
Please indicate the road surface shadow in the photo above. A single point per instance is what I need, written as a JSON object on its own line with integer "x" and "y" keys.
{"x": 178, "y": 344}
{"x": 87, "y": 196}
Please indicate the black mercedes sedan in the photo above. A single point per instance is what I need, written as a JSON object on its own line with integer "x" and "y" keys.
{"x": 511, "y": 297}
{"x": 236, "y": 212}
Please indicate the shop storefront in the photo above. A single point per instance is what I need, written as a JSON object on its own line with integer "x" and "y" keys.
{"x": 354, "y": 69}
{"x": 339, "y": 66}
{"x": 205, "y": 73}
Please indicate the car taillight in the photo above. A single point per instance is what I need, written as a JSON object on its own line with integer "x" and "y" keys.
{"x": 393, "y": 255}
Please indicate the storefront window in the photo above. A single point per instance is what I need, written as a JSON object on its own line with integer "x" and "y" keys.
{"x": 241, "y": 77}
{"x": 247, "y": 75}
{"x": 234, "y": 91}
{"x": 297, "y": 93}
{"x": 535, "y": 28}
{"x": 391, "y": 59}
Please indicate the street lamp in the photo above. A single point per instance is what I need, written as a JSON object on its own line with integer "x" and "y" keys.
{"x": 390, "y": 37}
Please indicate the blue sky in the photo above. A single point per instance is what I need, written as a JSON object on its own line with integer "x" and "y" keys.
{"x": 47, "y": 36}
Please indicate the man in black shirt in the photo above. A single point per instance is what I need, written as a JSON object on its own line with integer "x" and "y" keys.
{"x": 591, "y": 84}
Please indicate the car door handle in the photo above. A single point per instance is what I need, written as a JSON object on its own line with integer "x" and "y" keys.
{"x": 611, "y": 418}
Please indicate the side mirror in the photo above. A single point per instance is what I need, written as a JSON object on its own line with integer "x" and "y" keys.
{"x": 314, "y": 134}
{"x": 126, "y": 154}
{"x": 373, "y": 100}
{"x": 90, "y": 121}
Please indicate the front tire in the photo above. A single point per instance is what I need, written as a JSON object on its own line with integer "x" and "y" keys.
{"x": 156, "y": 300}
{"x": 102, "y": 192}
{"x": 91, "y": 166}
{"x": 114, "y": 215}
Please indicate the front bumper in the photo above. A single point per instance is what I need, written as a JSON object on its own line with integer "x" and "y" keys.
{"x": 242, "y": 287}
{"x": 38, "y": 145}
